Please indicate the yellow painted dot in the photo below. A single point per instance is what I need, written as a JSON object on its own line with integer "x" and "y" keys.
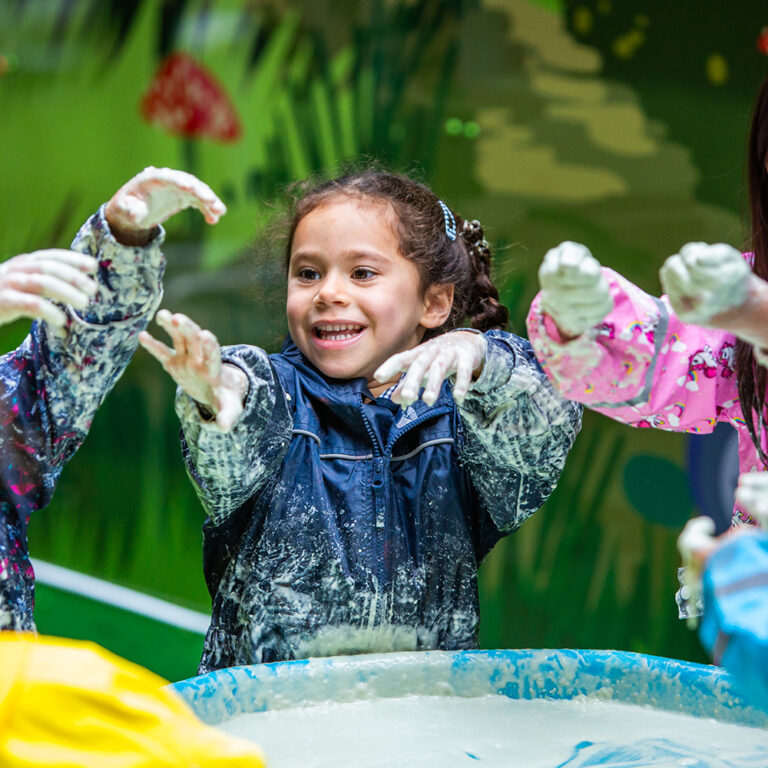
{"x": 583, "y": 22}
{"x": 717, "y": 69}
{"x": 625, "y": 46}
{"x": 604, "y": 6}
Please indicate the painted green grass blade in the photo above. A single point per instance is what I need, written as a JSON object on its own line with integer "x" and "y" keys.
{"x": 293, "y": 143}
{"x": 341, "y": 73}
{"x": 325, "y": 135}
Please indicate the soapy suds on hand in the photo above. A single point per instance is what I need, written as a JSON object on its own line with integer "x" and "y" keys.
{"x": 493, "y": 730}
{"x": 574, "y": 291}
{"x": 705, "y": 280}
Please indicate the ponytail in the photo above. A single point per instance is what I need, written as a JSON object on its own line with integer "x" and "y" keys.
{"x": 484, "y": 310}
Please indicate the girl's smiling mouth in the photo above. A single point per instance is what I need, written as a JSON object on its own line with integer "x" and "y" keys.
{"x": 336, "y": 334}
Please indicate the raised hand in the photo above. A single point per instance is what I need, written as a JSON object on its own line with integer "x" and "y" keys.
{"x": 574, "y": 292}
{"x": 31, "y": 282}
{"x": 155, "y": 195}
{"x": 457, "y": 354}
{"x": 697, "y": 541}
{"x": 195, "y": 365}
{"x": 704, "y": 281}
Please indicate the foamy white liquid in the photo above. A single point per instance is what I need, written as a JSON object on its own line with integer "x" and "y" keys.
{"x": 435, "y": 731}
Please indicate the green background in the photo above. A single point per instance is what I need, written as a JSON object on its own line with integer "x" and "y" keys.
{"x": 618, "y": 124}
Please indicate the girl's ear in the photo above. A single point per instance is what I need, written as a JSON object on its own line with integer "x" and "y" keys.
{"x": 438, "y": 301}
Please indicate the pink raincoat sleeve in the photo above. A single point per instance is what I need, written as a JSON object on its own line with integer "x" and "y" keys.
{"x": 642, "y": 366}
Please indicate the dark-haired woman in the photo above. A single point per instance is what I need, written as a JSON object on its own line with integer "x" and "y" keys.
{"x": 349, "y": 503}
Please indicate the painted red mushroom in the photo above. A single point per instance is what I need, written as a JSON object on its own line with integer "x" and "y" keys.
{"x": 762, "y": 41}
{"x": 187, "y": 101}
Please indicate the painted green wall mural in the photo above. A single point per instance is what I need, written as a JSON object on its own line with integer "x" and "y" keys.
{"x": 621, "y": 125}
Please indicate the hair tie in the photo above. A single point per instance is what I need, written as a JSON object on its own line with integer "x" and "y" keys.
{"x": 450, "y": 222}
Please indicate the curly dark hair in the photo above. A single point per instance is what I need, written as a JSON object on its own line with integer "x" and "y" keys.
{"x": 464, "y": 262}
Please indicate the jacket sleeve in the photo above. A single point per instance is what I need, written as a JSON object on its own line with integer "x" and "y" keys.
{"x": 642, "y": 366}
{"x": 52, "y": 385}
{"x": 518, "y": 431}
{"x": 734, "y": 628}
{"x": 227, "y": 469}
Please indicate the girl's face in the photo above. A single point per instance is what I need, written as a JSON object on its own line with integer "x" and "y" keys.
{"x": 353, "y": 299}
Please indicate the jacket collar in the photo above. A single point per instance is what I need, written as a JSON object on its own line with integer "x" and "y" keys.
{"x": 332, "y": 390}
{"x": 322, "y": 385}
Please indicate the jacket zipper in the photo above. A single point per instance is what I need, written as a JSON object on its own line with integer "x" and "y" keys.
{"x": 379, "y": 463}
{"x": 378, "y": 501}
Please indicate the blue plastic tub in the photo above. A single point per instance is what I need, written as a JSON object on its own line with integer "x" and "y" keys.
{"x": 663, "y": 684}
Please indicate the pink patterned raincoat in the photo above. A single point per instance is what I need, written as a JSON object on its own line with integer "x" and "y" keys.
{"x": 645, "y": 367}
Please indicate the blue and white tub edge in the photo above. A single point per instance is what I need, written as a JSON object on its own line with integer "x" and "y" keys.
{"x": 668, "y": 684}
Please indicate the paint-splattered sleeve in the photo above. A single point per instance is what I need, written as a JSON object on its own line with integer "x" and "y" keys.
{"x": 52, "y": 385}
{"x": 518, "y": 431}
{"x": 642, "y": 366}
{"x": 228, "y": 468}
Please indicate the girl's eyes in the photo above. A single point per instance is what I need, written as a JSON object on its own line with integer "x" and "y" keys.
{"x": 307, "y": 273}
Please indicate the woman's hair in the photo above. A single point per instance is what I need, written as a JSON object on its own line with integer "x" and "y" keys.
{"x": 752, "y": 377}
{"x": 423, "y": 225}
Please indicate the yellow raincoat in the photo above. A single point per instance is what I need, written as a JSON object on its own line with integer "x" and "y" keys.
{"x": 71, "y": 704}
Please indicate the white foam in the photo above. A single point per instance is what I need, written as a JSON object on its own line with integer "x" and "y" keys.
{"x": 493, "y": 730}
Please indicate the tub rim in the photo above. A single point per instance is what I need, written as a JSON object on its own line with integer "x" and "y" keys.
{"x": 674, "y": 685}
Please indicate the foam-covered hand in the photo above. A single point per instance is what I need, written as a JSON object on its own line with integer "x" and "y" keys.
{"x": 155, "y": 195}
{"x": 457, "y": 354}
{"x": 195, "y": 365}
{"x": 705, "y": 280}
{"x": 752, "y": 496}
{"x": 574, "y": 291}
{"x": 695, "y": 544}
{"x": 31, "y": 282}
{"x": 697, "y": 540}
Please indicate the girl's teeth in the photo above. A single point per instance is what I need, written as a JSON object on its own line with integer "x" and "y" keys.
{"x": 338, "y": 332}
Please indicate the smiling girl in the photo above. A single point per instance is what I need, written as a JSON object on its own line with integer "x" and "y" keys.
{"x": 350, "y": 504}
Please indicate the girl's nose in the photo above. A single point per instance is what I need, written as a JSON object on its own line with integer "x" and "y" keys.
{"x": 331, "y": 291}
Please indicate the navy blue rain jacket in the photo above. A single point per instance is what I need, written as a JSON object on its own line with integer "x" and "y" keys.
{"x": 343, "y": 524}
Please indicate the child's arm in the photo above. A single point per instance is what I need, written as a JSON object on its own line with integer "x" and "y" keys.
{"x": 641, "y": 365}
{"x": 519, "y": 431}
{"x": 54, "y": 382}
{"x": 51, "y": 386}
{"x": 234, "y": 416}
{"x": 518, "y": 428}
{"x": 80, "y": 365}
